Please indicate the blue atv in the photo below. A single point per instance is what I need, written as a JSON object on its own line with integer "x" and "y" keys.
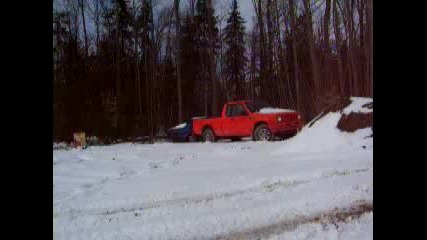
{"x": 181, "y": 132}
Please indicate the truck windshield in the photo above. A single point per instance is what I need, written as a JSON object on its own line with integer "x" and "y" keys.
{"x": 255, "y": 106}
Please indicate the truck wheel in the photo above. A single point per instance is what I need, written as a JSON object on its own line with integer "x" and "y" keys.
{"x": 208, "y": 135}
{"x": 263, "y": 133}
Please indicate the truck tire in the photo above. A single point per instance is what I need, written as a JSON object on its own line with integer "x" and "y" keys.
{"x": 208, "y": 135}
{"x": 263, "y": 133}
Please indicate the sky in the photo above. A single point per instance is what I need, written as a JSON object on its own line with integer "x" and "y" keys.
{"x": 222, "y": 7}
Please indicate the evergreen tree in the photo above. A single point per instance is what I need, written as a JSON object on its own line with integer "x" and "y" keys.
{"x": 235, "y": 59}
{"x": 206, "y": 45}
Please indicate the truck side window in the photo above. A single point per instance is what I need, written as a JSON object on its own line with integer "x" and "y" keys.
{"x": 229, "y": 110}
{"x": 239, "y": 110}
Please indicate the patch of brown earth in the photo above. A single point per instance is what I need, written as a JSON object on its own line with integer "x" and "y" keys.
{"x": 368, "y": 105}
{"x": 332, "y": 217}
{"x": 332, "y": 104}
{"x": 354, "y": 121}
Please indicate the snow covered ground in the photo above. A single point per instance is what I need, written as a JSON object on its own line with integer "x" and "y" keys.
{"x": 224, "y": 190}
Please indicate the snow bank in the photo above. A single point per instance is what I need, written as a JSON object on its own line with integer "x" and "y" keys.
{"x": 60, "y": 145}
{"x": 357, "y": 105}
{"x": 275, "y": 110}
{"x": 182, "y": 125}
{"x": 324, "y": 135}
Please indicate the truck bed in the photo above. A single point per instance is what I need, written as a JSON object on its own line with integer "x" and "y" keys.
{"x": 215, "y": 123}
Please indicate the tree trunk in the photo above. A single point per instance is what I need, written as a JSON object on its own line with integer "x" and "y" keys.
{"x": 212, "y": 67}
{"x": 221, "y": 61}
{"x": 369, "y": 48}
{"x": 269, "y": 54}
{"x": 206, "y": 98}
{"x": 282, "y": 60}
{"x": 261, "y": 42}
{"x": 212, "y": 75}
{"x": 153, "y": 57}
{"x": 338, "y": 46}
{"x": 253, "y": 45}
{"x": 118, "y": 72}
{"x": 147, "y": 100}
{"x": 348, "y": 23}
{"x": 361, "y": 58}
{"x": 353, "y": 45}
{"x": 327, "y": 63}
{"x": 192, "y": 5}
{"x": 84, "y": 27}
{"x": 326, "y": 24}
{"x": 137, "y": 72}
{"x": 178, "y": 60}
{"x": 313, "y": 59}
{"x": 97, "y": 22}
{"x": 295, "y": 55}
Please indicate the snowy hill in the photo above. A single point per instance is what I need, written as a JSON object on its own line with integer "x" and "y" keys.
{"x": 316, "y": 185}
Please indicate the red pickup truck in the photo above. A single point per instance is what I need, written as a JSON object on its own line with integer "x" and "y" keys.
{"x": 248, "y": 119}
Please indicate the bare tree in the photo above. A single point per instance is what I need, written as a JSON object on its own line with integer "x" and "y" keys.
{"x": 313, "y": 58}
{"x": 135, "y": 8}
{"x": 337, "y": 32}
{"x": 347, "y": 14}
{"x": 192, "y": 4}
{"x": 282, "y": 51}
{"x": 153, "y": 58}
{"x": 253, "y": 59}
{"x": 145, "y": 47}
{"x": 95, "y": 15}
{"x": 280, "y": 56}
{"x": 118, "y": 70}
{"x": 178, "y": 61}
{"x": 97, "y": 21}
{"x": 82, "y": 7}
{"x": 326, "y": 45}
{"x": 369, "y": 47}
{"x": 164, "y": 22}
{"x": 269, "y": 52}
{"x": 212, "y": 59}
{"x": 224, "y": 89}
{"x": 262, "y": 59}
{"x": 295, "y": 55}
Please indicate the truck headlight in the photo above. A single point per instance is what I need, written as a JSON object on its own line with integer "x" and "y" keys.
{"x": 279, "y": 118}
{"x": 299, "y": 117}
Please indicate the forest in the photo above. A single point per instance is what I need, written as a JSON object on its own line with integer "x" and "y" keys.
{"x": 127, "y": 68}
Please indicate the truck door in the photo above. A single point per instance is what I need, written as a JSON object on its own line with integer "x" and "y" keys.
{"x": 228, "y": 120}
{"x": 241, "y": 123}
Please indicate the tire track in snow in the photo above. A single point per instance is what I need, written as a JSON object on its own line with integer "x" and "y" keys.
{"x": 331, "y": 217}
{"x": 211, "y": 197}
{"x": 125, "y": 174}
{"x": 185, "y": 200}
